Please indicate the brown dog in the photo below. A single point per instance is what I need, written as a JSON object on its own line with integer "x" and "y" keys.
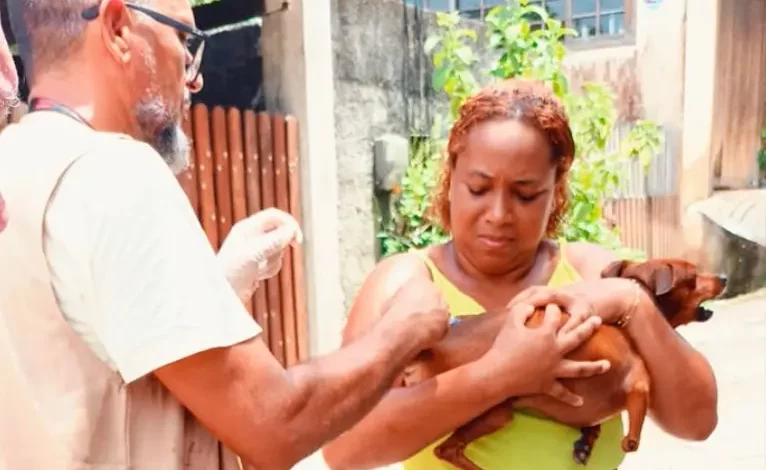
{"x": 678, "y": 291}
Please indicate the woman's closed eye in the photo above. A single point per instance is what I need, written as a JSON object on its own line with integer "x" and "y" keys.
{"x": 529, "y": 197}
{"x": 477, "y": 191}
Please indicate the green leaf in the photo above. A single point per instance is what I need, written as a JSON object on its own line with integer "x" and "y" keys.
{"x": 439, "y": 78}
{"x": 431, "y": 43}
{"x": 495, "y": 40}
{"x": 465, "y": 54}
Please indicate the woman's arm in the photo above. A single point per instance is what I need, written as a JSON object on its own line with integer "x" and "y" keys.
{"x": 684, "y": 398}
{"x": 407, "y": 419}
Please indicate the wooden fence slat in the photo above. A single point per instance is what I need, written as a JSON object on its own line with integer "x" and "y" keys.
{"x": 222, "y": 172}
{"x": 188, "y": 178}
{"x": 253, "y": 190}
{"x": 237, "y": 164}
{"x": 267, "y": 198}
{"x": 206, "y": 189}
{"x": 296, "y": 253}
{"x": 286, "y": 273}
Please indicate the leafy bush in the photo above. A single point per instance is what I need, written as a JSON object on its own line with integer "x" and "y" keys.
{"x": 520, "y": 50}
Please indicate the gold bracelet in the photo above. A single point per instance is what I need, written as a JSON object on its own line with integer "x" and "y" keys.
{"x": 623, "y": 320}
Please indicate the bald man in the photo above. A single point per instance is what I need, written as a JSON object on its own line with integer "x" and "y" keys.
{"x": 122, "y": 319}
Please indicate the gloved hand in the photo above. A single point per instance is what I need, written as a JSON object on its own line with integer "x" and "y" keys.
{"x": 254, "y": 248}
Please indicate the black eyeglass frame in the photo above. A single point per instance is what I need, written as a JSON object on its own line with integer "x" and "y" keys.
{"x": 198, "y": 36}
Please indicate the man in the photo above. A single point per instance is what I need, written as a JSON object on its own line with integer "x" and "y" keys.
{"x": 134, "y": 348}
{"x": 120, "y": 317}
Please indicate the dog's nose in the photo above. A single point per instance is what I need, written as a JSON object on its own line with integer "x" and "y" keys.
{"x": 723, "y": 278}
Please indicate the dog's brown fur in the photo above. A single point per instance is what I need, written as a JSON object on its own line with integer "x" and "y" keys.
{"x": 678, "y": 290}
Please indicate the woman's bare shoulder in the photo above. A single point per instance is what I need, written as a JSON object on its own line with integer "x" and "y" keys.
{"x": 380, "y": 286}
{"x": 394, "y": 271}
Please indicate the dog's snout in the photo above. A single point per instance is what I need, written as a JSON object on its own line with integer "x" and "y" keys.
{"x": 723, "y": 279}
{"x": 703, "y": 314}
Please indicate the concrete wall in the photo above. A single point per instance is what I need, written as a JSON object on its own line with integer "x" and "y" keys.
{"x": 382, "y": 85}
{"x": 298, "y": 79}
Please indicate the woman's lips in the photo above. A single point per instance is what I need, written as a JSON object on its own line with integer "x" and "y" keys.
{"x": 495, "y": 242}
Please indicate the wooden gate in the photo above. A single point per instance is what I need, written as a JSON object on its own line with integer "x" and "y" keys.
{"x": 243, "y": 162}
{"x": 646, "y": 208}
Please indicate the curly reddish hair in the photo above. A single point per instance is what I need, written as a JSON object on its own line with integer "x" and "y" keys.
{"x": 529, "y": 101}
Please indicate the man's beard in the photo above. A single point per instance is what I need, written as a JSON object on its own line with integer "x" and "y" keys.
{"x": 162, "y": 130}
{"x": 9, "y": 99}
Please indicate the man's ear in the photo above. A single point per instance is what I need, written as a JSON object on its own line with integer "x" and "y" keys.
{"x": 615, "y": 268}
{"x": 116, "y": 29}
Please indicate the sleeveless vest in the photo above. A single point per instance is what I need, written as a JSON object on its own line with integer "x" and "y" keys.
{"x": 61, "y": 407}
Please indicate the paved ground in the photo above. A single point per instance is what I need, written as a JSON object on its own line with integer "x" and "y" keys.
{"x": 735, "y": 343}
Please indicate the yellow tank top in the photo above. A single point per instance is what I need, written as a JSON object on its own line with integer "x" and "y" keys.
{"x": 528, "y": 442}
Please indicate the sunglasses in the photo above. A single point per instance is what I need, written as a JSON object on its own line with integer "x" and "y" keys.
{"x": 195, "y": 38}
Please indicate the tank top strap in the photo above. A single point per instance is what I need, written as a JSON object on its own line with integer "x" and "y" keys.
{"x": 564, "y": 273}
{"x": 435, "y": 273}
{"x": 437, "y": 276}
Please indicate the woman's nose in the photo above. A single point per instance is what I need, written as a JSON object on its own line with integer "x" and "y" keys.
{"x": 499, "y": 212}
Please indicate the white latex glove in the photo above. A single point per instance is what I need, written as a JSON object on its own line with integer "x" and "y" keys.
{"x": 254, "y": 248}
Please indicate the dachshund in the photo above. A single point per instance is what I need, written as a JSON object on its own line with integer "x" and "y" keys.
{"x": 678, "y": 290}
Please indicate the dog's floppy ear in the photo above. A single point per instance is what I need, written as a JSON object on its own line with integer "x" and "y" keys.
{"x": 662, "y": 278}
{"x": 615, "y": 268}
{"x": 655, "y": 275}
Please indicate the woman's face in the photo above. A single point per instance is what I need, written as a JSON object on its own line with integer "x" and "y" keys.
{"x": 502, "y": 190}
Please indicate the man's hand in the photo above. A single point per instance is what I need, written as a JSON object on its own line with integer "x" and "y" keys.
{"x": 418, "y": 313}
{"x": 533, "y": 359}
{"x": 269, "y": 414}
{"x": 254, "y": 248}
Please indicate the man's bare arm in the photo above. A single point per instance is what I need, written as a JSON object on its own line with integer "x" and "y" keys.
{"x": 274, "y": 417}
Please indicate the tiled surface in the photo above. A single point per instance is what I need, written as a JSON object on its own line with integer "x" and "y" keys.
{"x": 735, "y": 343}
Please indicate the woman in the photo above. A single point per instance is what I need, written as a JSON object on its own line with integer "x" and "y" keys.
{"x": 503, "y": 195}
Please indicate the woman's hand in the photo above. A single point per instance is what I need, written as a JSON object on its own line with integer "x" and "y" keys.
{"x": 533, "y": 359}
{"x": 614, "y": 300}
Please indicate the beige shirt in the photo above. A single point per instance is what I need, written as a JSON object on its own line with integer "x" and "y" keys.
{"x": 131, "y": 268}
{"x": 105, "y": 275}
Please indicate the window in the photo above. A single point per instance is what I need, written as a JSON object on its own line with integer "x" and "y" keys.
{"x": 435, "y": 5}
{"x": 598, "y": 18}
{"x": 476, "y": 8}
{"x": 592, "y": 19}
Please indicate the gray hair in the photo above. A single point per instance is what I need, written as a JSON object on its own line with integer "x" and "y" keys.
{"x": 48, "y": 32}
